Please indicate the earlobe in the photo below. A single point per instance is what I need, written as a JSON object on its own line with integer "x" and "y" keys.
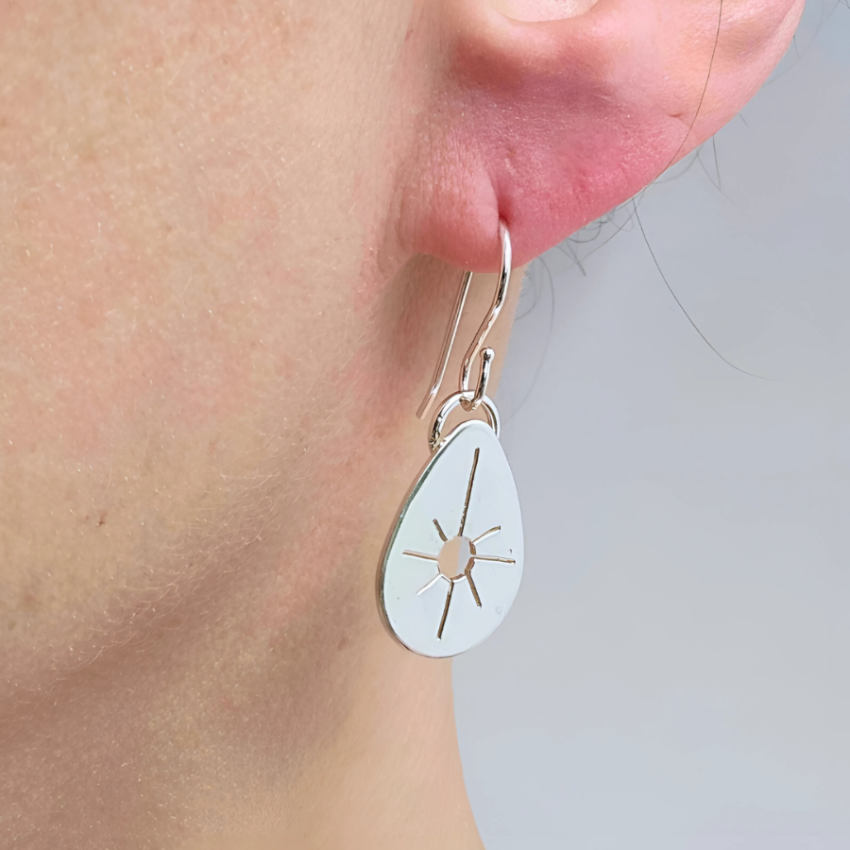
{"x": 547, "y": 125}
{"x": 541, "y": 125}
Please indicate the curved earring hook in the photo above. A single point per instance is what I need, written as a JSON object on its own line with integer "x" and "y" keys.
{"x": 471, "y": 399}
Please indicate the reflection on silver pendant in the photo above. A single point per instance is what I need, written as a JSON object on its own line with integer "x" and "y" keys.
{"x": 452, "y": 576}
{"x": 467, "y": 485}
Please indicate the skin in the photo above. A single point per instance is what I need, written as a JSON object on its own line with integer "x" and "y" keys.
{"x": 232, "y": 235}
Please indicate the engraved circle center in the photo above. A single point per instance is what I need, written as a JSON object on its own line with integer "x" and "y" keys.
{"x": 456, "y": 557}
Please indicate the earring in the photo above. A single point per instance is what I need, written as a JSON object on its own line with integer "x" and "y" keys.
{"x": 452, "y": 564}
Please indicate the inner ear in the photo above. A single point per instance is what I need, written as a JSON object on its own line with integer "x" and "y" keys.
{"x": 543, "y": 10}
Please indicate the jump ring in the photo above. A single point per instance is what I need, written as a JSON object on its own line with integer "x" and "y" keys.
{"x": 450, "y": 404}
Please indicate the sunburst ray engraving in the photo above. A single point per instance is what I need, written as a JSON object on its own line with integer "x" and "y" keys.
{"x": 453, "y": 552}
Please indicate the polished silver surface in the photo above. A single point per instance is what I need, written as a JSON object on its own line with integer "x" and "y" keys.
{"x": 472, "y": 398}
{"x": 452, "y": 566}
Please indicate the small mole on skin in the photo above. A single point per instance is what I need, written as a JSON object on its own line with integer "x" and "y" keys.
{"x": 29, "y": 603}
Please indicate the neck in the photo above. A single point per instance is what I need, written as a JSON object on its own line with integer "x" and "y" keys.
{"x": 393, "y": 772}
{"x": 389, "y": 775}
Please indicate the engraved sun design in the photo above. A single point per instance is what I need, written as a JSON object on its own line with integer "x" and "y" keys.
{"x": 459, "y": 555}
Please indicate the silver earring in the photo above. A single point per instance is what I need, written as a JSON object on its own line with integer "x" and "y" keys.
{"x": 452, "y": 564}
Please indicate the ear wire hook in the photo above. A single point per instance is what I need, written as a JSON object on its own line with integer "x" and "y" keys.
{"x": 472, "y": 399}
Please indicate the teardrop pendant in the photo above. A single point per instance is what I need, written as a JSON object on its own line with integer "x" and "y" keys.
{"x": 452, "y": 564}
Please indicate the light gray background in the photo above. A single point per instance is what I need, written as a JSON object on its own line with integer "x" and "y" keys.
{"x": 676, "y": 670}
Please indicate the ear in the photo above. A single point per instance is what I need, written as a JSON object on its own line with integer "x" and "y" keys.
{"x": 548, "y": 113}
